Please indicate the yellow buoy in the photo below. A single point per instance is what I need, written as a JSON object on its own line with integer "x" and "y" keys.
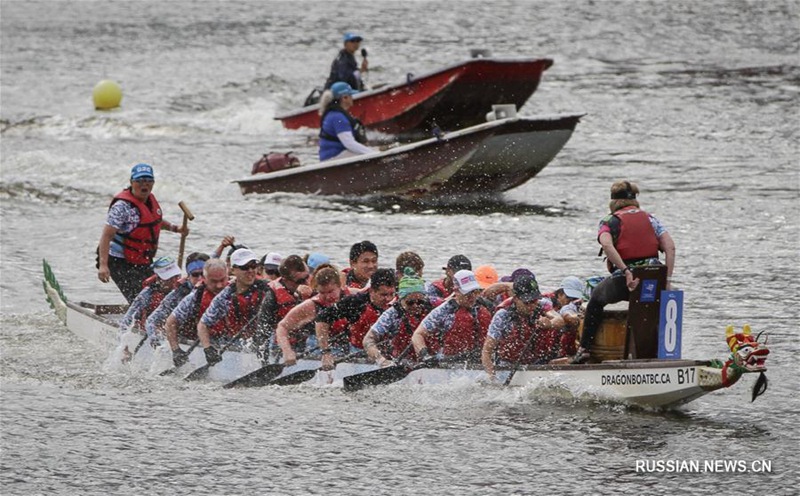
{"x": 106, "y": 94}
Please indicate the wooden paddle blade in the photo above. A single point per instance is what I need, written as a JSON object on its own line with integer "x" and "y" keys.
{"x": 760, "y": 387}
{"x": 378, "y": 377}
{"x": 257, "y": 378}
{"x": 198, "y": 373}
{"x": 294, "y": 378}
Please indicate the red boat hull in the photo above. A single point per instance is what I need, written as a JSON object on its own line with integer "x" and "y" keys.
{"x": 456, "y": 97}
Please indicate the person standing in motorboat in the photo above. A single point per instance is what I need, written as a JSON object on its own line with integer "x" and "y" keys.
{"x": 629, "y": 237}
{"x": 129, "y": 240}
{"x": 344, "y": 67}
{"x": 341, "y": 135}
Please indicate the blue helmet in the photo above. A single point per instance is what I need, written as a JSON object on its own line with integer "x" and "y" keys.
{"x": 341, "y": 89}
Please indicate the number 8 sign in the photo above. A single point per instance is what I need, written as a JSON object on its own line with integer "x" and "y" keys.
{"x": 670, "y": 324}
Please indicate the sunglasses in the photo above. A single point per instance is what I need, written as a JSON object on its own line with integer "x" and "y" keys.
{"x": 302, "y": 280}
{"x": 144, "y": 181}
{"x": 250, "y": 266}
{"x": 415, "y": 302}
{"x": 199, "y": 273}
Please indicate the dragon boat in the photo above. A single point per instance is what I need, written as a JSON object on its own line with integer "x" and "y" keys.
{"x": 644, "y": 382}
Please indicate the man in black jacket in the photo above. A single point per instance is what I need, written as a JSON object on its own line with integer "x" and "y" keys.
{"x": 344, "y": 66}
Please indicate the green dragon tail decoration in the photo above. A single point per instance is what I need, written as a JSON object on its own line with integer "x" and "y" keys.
{"x": 53, "y": 292}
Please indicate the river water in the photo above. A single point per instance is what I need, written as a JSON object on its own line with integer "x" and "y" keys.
{"x": 695, "y": 101}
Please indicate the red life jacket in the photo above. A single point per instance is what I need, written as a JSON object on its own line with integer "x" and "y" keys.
{"x": 439, "y": 285}
{"x": 285, "y": 299}
{"x": 201, "y": 302}
{"x": 637, "y": 239}
{"x": 350, "y": 279}
{"x": 243, "y": 308}
{"x": 546, "y": 342}
{"x": 140, "y": 245}
{"x": 401, "y": 340}
{"x": 156, "y": 297}
{"x": 360, "y": 327}
{"x": 467, "y": 333}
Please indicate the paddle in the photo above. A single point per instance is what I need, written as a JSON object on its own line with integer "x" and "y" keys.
{"x": 515, "y": 367}
{"x": 187, "y": 216}
{"x": 258, "y": 377}
{"x": 202, "y": 372}
{"x": 306, "y": 375}
{"x": 172, "y": 370}
{"x": 366, "y": 73}
{"x": 386, "y": 375}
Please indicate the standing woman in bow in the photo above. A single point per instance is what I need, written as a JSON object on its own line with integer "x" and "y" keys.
{"x": 341, "y": 135}
{"x": 129, "y": 240}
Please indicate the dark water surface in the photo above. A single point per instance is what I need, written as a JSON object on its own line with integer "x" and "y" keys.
{"x": 695, "y": 101}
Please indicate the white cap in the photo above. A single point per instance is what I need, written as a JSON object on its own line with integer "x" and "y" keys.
{"x": 242, "y": 257}
{"x": 573, "y": 287}
{"x": 465, "y": 281}
{"x": 166, "y": 268}
{"x": 273, "y": 259}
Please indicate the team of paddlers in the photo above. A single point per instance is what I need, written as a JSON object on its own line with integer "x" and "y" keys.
{"x": 286, "y": 307}
{"x": 304, "y": 306}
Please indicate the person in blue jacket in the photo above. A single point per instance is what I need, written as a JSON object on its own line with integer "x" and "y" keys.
{"x": 341, "y": 135}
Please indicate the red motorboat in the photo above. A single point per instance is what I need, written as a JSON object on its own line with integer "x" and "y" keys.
{"x": 453, "y": 98}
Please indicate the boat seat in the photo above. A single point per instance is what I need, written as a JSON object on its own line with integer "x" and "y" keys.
{"x": 644, "y": 307}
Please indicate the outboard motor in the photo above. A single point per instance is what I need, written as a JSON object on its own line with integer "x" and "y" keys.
{"x": 271, "y": 162}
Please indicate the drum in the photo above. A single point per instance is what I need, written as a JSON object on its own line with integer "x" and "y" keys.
{"x": 609, "y": 342}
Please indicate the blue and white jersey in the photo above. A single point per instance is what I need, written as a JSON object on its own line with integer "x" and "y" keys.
{"x": 139, "y": 306}
{"x": 123, "y": 217}
{"x": 158, "y": 318}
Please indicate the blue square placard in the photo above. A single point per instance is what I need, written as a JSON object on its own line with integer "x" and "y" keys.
{"x": 670, "y": 325}
{"x": 648, "y": 294}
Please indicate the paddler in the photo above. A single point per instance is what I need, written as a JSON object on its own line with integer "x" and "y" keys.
{"x": 360, "y": 310}
{"x": 283, "y": 294}
{"x": 182, "y": 322}
{"x": 396, "y": 325}
{"x": 156, "y": 287}
{"x": 129, "y": 240}
{"x": 458, "y": 326}
{"x": 525, "y": 323}
{"x": 363, "y": 263}
{"x": 629, "y": 237}
{"x": 295, "y": 333}
{"x": 341, "y": 135}
{"x": 194, "y": 276}
{"x": 235, "y": 308}
{"x": 442, "y": 288}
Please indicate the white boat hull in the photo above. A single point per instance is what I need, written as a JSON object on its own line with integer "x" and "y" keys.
{"x": 647, "y": 383}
